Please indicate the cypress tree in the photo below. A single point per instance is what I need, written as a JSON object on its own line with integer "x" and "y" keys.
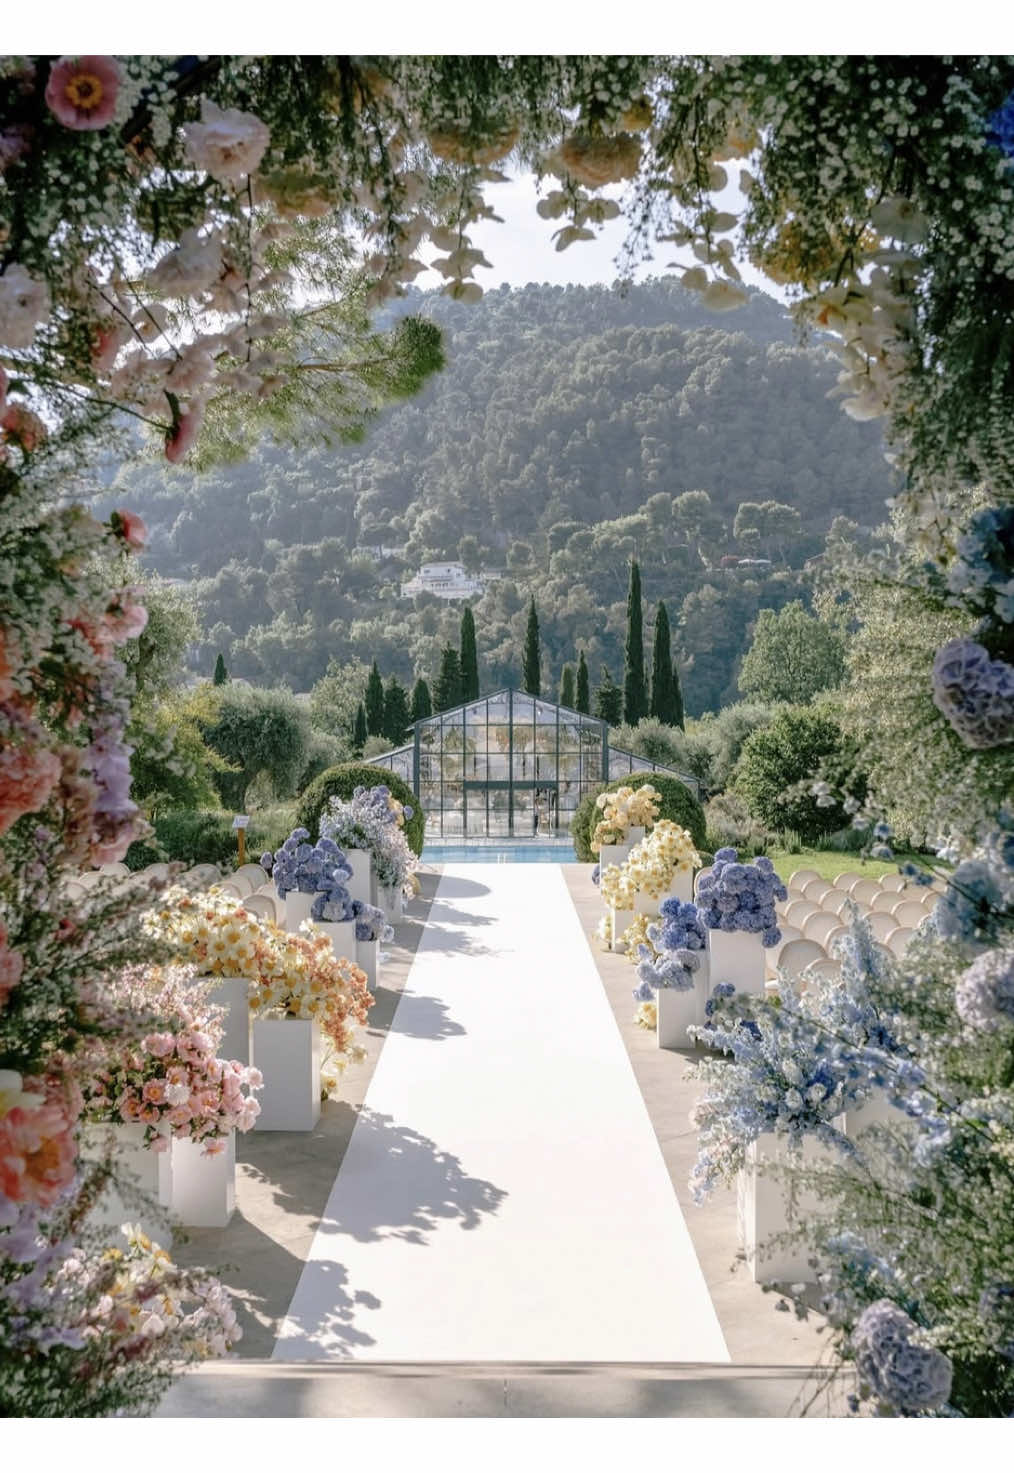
{"x": 567, "y": 688}
{"x": 583, "y": 698}
{"x": 359, "y": 732}
{"x": 447, "y": 691}
{"x": 375, "y": 703}
{"x": 395, "y": 711}
{"x": 531, "y": 664}
{"x": 635, "y": 700}
{"x": 469, "y": 658}
{"x": 608, "y": 700}
{"x": 221, "y": 674}
{"x": 663, "y": 701}
{"x": 679, "y": 717}
{"x": 422, "y": 704}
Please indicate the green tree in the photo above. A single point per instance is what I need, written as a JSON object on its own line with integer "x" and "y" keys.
{"x": 679, "y": 714}
{"x": 469, "y": 657}
{"x": 447, "y": 691}
{"x": 608, "y": 699}
{"x": 335, "y": 699}
{"x": 635, "y": 700}
{"x": 360, "y": 731}
{"x": 775, "y": 766}
{"x": 567, "y": 693}
{"x": 422, "y": 704}
{"x": 663, "y": 697}
{"x": 221, "y": 674}
{"x": 396, "y": 712}
{"x": 582, "y": 699}
{"x": 259, "y": 732}
{"x": 793, "y": 657}
{"x": 155, "y": 657}
{"x": 531, "y": 664}
{"x": 375, "y": 702}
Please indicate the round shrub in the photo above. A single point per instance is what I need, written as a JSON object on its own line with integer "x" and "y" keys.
{"x": 776, "y": 766}
{"x": 677, "y": 804}
{"x": 342, "y": 781}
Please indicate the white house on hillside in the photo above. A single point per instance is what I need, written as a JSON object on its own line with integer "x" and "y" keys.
{"x": 443, "y": 580}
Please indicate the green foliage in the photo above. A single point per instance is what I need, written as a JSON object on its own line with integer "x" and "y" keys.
{"x": 171, "y": 765}
{"x": 663, "y": 695}
{"x": 221, "y": 674}
{"x": 360, "y": 733}
{"x": 374, "y": 702}
{"x": 651, "y": 739}
{"x": 422, "y": 705}
{"x": 678, "y": 804}
{"x": 336, "y": 697}
{"x": 257, "y": 731}
{"x": 396, "y": 712}
{"x": 797, "y": 743}
{"x": 582, "y": 700}
{"x": 469, "y": 658}
{"x": 447, "y": 690}
{"x": 608, "y": 699}
{"x": 723, "y": 737}
{"x": 155, "y": 658}
{"x": 767, "y": 527}
{"x": 376, "y": 747}
{"x": 567, "y": 694}
{"x": 793, "y": 657}
{"x": 531, "y": 662}
{"x": 342, "y": 781}
{"x": 730, "y": 822}
{"x": 323, "y": 751}
{"x": 635, "y": 696}
{"x": 197, "y": 836}
{"x": 679, "y": 714}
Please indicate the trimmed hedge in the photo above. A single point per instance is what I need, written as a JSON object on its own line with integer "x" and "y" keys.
{"x": 202, "y": 836}
{"x": 341, "y": 782}
{"x": 678, "y": 804}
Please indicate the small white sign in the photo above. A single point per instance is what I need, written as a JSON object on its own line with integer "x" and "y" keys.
{"x": 241, "y": 821}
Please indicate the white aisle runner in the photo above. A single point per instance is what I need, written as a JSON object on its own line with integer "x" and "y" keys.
{"x": 503, "y": 1196}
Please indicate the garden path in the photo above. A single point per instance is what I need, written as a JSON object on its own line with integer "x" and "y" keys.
{"x": 503, "y": 1196}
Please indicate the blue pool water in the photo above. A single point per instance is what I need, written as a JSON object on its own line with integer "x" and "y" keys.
{"x": 498, "y": 851}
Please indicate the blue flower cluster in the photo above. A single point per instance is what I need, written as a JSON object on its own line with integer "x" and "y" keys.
{"x": 376, "y": 802}
{"x": 1000, "y": 127}
{"x": 333, "y": 904}
{"x": 371, "y": 923}
{"x": 971, "y": 908}
{"x": 984, "y": 995}
{"x": 741, "y": 897}
{"x": 980, "y": 575}
{"x": 905, "y": 1377}
{"x": 311, "y": 868}
{"x": 975, "y": 693}
{"x": 681, "y": 938}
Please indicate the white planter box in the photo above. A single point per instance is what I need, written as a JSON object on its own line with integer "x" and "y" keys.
{"x": 682, "y": 887}
{"x": 634, "y": 836}
{"x": 298, "y": 904}
{"x": 613, "y": 854}
{"x": 368, "y": 958}
{"x": 147, "y": 1170}
{"x": 342, "y": 935}
{"x": 233, "y": 994}
{"x": 764, "y": 1210}
{"x": 287, "y": 1051}
{"x": 677, "y": 1010}
{"x": 621, "y": 920}
{"x": 204, "y": 1187}
{"x": 360, "y": 886}
{"x": 737, "y": 957}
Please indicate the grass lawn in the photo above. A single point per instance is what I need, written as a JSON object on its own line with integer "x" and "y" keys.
{"x": 831, "y": 862}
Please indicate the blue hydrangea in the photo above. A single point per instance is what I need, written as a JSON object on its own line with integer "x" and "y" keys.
{"x": 741, "y": 897}
{"x": 371, "y": 923}
{"x": 905, "y": 1377}
{"x": 984, "y": 994}
{"x": 680, "y": 939}
{"x": 1000, "y": 127}
{"x": 969, "y": 909}
{"x": 975, "y": 693}
{"x": 310, "y": 868}
{"x": 332, "y": 904}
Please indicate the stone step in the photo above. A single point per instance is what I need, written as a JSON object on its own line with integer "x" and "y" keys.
{"x": 258, "y": 1388}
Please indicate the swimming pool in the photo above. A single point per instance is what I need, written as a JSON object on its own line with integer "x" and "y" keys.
{"x": 499, "y": 851}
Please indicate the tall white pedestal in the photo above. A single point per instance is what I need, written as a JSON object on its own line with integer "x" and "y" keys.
{"x": 142, "y": 1169}
{"x": 359, "y": 885}
{"x": 204, "y": 1187}
{"x": 737, "y": 957}
{"x": 621, "y": 920}
{"x": 764, "y": 1209}
{"x": 367, "y": 957}
{"x": 682, "y": 886}
{"x": 677, "y": 1010}
{"x": 288, "y": 1054}
{"x": 298, "y": 904}
{"x": 233, "y": 994}
{"x": 342, "y": 935}
{"x": 613, "y": 854}
{"x": 391, "y": 902}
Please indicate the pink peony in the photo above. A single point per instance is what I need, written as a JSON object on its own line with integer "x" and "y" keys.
{"x": 154, "y": 1092}
{"x": 160, "y": 1046}
{"x": 108, "y": 341}
{"x": 81, "y": 92}
{"x": 215, "y": 1147}
{"x": 179, "y": 440}
{"x": 179, "y": 1115}
{"x": 128, "y": 525}
{"x": 24, "y": 427}
{"x": 37, "y": 1154}
{"x": 11, "y": 966}
{"x": 125, "y": 620}
{"x": 24, "y": 303}
{"x": 228, "y": 143}
{"x": 28, "y": 775}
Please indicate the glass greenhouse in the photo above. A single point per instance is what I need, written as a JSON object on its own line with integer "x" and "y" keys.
{"x": 510, "y": 765}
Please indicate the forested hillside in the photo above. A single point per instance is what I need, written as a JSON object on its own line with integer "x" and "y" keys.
{"x": 565, "y": 433}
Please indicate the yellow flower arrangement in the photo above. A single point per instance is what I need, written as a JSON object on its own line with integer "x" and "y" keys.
{"x": 616, "y": 887}
{"x": 652, "y": 864}
{"x": 647, "y": 1015}
{"x": 624, "y": 809}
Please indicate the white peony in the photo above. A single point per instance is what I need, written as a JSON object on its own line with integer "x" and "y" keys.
{"x": 227, "y": 143}
{"x": 190, "y": 268}
{"x": 24, "y": 303}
